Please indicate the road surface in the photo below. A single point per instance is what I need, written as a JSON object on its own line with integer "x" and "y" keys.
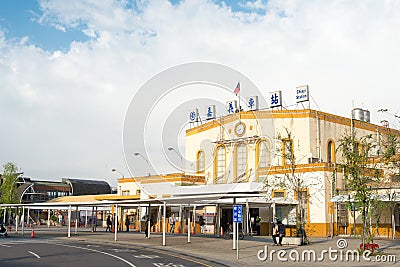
{"x": 72, "y": 253}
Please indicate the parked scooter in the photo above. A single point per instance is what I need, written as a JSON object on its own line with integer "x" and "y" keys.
{"x": 3, "y": 231}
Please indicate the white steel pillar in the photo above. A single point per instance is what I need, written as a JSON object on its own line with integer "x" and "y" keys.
{"x": 164, "y": 222}
{"x": 69, "y": 221}
{"x": 188, "y": 226}
{"x": 116, "y": 222}
{"x": 76, "y": 219}
{"x": 22, "y": 220}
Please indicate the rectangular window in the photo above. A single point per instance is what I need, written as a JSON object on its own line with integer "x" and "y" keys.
{"x": 278, "y": 193}
{"x": 125, "y": 192}
{"x": 343, "y": 215}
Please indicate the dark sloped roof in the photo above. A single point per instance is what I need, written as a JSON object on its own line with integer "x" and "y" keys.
{"x": 87, "y": 187}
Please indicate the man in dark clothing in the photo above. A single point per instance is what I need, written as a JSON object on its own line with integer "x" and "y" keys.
{"x": 282, "y": 232}
{"x": 109, "y": 223}
{"x": 127, "y": 223}
{"x": 257, "y": 223}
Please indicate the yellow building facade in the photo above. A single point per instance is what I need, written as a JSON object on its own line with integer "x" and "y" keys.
{"x": 270, "y": 146}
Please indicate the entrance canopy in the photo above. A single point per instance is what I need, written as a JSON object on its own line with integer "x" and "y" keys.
{"x": 166, "y": 193}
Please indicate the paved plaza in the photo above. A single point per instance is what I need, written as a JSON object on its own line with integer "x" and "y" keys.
{"x": 251, "y": 250}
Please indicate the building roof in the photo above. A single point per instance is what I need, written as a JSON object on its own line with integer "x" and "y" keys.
{"x": 281, "y": 114}
{"x": 87, "y": 187}
{"x": 176, "y": 178}
{"x": 170, "y": 190}
{"x": 91, "y": 198}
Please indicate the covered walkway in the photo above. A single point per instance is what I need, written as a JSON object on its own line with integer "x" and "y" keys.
{"x": 188, "y": 201}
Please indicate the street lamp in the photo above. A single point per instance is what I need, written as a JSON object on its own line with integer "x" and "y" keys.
{"x": 147, "y": 162}
{"x": 173, "y": 149}
{"x": 115, "y": 170}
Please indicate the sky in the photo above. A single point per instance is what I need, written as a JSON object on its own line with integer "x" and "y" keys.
{"x": 69, "y": 69}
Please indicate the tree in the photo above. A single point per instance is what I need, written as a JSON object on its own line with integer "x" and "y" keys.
{"x": 390, "y": 160}
{"x": 292, "y": 180}
{"x": 8, "y": 183}
{"x": 360, "y": 173}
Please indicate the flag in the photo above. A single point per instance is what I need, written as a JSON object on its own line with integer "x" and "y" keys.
{"x": 237, "y": 89}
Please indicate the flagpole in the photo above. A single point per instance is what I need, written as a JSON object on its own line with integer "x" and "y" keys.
{"x": 239, "y": 99}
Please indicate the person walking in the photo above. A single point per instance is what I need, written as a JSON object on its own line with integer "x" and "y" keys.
{"x": 202, "y": 224}
{"x": 109, "y": 223}
{"x": 258, "y": 228}
{"x": 94, "y": 224}
{"x": 127, "y": 223}
{"x": 171, "y": 221}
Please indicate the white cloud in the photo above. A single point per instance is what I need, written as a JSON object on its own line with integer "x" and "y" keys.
{"x": 64, "y": 111}
{"x": 258, "y": 4}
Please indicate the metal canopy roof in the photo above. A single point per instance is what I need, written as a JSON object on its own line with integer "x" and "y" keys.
{"x": 252, "y": 193}
{"x": 191, "y": 200}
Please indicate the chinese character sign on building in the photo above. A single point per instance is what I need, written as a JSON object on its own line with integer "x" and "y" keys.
{"x": 193, "y": 115}
{"x": 275, "y": 99}
{"x": 231, "y": 106}
{"x": 302, "y": 93}
{"x": 210, "y": 112}
{"x": 252, "y": 102}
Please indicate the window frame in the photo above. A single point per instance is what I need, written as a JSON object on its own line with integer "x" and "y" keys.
{"x": 236, "y": 159}
{"x": 216, "y": 178}
{"x": 200, "y": 155}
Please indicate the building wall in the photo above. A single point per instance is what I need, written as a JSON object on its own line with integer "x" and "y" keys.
{"x": 311, "y": 132}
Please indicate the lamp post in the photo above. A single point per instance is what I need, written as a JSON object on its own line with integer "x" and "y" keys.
{"x": 179, "y": 155}
{"x": 147, "y": 162}
{"x": 115, "y": 170}
{"x": 118, "y": 187}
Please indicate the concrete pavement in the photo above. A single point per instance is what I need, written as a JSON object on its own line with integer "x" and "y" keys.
{"x": 251, "y": 250}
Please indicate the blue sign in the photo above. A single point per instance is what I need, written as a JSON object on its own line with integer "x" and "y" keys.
{"x": 237, "y": 213}
{"x": 210, "y": 112}
{"x": 252, "y": 102}
{"x": 193, "y": 115}
{"x": 275, "y": 99}
{"x": 231, "y": 107}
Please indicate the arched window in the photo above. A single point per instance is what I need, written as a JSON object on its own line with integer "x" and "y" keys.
{"x": 240, "y": 163}
{"x": 200, "y": 161}
{"x": 220, "y": 165}
{"x": 263, "y": 154}
{"x": 331, "y": 157}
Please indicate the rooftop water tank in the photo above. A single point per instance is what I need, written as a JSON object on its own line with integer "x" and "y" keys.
{"x": 367, "y": 116}
{"x": 385, "y": 123}
{"x": 357, "y": 114}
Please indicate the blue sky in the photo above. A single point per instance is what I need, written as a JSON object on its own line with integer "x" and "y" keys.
{"x": 21, "y": 18}
{"x": 69, "y": 69}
